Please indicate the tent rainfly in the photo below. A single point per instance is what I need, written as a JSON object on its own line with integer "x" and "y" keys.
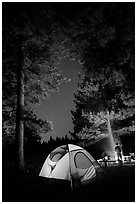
{"x": 70, "y": 162}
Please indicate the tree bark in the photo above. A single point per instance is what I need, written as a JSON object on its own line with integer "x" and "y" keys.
{"x": 20, "y": 112}
{"x": 111, "y": 139}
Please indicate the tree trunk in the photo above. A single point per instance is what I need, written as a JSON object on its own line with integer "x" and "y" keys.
{"x": 111, "y": 139}
{"x": 20, "y": 112}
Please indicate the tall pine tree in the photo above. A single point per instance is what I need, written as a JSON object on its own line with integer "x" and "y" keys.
{"x": 30, "y": 66}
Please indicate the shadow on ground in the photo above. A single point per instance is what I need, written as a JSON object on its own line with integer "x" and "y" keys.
{"x": 118, "y": 186}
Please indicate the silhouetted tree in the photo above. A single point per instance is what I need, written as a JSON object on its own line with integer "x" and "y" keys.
{"x": 30, "y": 66}
{"x": 105, "y": 45}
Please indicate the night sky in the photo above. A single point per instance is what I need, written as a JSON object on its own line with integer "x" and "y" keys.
{"x": 58, "y": 108}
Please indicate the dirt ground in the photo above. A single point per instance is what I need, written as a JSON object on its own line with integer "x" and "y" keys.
{"x": 117, "y": 186}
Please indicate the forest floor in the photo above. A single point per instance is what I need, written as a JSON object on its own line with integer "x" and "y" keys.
{"x": 118, "y": 186}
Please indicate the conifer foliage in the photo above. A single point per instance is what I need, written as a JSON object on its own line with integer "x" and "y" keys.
{"x": 30, "y": 69}
{"x": 105, "y": 98}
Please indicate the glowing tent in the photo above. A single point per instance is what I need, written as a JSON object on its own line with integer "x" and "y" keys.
{"x": 70, "y": 162}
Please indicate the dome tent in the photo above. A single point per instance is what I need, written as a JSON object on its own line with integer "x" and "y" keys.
{"x": 70, "y": 162}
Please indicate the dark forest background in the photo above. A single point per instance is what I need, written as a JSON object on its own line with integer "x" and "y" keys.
{"x": 35, "y": 38}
